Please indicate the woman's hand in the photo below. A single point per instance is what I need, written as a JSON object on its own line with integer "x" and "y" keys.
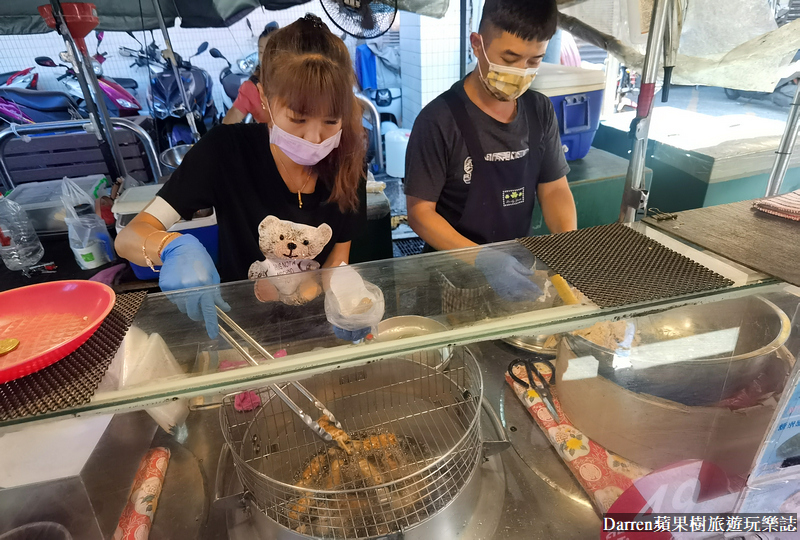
{"x": 187, "y": 265}
{"x": 351, "y": 335}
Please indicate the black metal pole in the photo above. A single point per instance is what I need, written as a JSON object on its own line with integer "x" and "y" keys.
{"x": 176, "y": 71}
{"x": 462, "y": 50}
{"x": 98, "y": 113}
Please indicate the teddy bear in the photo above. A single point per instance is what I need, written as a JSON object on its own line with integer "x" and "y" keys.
{"x": 289, "y": 249}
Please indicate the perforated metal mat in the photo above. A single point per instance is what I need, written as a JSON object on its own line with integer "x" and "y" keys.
{"x": 404, "y": 247}
{"x": 613, "y": 265}
{"x": 72, "y": 381}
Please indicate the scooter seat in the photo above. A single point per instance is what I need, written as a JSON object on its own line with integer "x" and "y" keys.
{"x": 231, "y": 84}
{"x": 40, "y": 100}
{"x": 129, "y": 84}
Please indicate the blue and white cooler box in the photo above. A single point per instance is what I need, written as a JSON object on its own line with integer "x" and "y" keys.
{"x": 134, "y": 200}
{"x": 577, "y": 96}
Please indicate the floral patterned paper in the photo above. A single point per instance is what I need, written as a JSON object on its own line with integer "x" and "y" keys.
{"x": 137, "y": 516}
{"x": 602, "y": 474}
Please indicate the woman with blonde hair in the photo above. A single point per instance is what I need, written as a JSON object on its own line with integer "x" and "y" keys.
{"x": 302, "y": 170}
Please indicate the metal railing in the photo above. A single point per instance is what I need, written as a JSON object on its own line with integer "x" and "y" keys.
{"x": 70, "y": 125}
{"x": 376, "y": 121}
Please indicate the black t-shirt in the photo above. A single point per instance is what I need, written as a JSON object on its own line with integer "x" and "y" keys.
{"x": 439, "y": 167}
{"x": 232, "y": 169}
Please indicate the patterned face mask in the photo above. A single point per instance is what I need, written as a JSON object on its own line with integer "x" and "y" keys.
{"x": 503, "y": 82}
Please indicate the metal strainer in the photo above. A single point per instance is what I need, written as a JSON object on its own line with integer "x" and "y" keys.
{"x": 416, "y": 429}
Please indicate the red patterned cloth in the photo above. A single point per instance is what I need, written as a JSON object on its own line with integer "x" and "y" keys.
{"x": 785, "y": 206}
{"x": 137, "y": 517}
{"x": 602, "y": 474}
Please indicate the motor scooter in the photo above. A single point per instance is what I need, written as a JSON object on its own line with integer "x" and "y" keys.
{"x": 230, "y": 80}
{"x": 627, "y": 94}
{"x": 166, "y": 105}
{"x": 28, "y": 106}
{"x": 131, "y": 85}
{"x": 24, "y": 78}
{"x": 782, "y": 95}
{"x": 118, "y": 100}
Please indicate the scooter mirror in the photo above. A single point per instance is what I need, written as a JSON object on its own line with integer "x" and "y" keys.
{"x": 202, "y": 48}
{"x": 99, "y": 35}
{"x": 45, "y": 61}
{"x": 214, "y": 52}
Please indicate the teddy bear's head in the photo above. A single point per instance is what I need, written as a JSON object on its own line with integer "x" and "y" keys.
{"x": 281, "y": 239}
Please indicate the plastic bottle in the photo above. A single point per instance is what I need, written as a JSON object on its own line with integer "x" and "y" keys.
{"x": 19, "y": 246}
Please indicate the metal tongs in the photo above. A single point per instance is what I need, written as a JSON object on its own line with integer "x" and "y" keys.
{"x": 308, "y": 420}
{"x": 543, "y": 388}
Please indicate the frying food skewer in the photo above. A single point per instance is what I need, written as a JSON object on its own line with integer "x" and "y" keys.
{"x": 372, "y": 463}
{"x": 339, "y": 435}
{"x": 327, "y": 427}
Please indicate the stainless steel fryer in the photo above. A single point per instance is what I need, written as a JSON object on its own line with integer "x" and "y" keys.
{"x": 433, "y": 415}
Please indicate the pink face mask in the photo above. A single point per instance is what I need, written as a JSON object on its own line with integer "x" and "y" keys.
{"x": 299, "y": 150}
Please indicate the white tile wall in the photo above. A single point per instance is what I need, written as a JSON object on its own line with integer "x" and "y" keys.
{"x": 432, "y": 46}
{"x": 411, "y": 69}
{"x": 408, "y": 19}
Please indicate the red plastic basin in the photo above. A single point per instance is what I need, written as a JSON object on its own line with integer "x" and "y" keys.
{"x": 50, "y": 320}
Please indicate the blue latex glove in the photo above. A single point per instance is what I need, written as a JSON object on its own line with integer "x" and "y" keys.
{"x": 351, "y": 335}
{"x": 187, "y": 264}
{"x": 507, "y": 276}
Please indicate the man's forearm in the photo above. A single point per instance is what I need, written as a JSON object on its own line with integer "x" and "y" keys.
{"x": 558, "y": 208}
{"x": 436, "y": 231}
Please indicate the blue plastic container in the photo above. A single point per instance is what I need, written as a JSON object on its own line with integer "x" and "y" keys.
{"x": 134, "y": 200}
{"x": 577, "y": 96}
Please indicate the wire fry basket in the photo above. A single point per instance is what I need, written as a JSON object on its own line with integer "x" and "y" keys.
{"x": 415, "y": 432}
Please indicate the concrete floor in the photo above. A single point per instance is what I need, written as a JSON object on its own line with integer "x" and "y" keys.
{"x": 713, "y": 102}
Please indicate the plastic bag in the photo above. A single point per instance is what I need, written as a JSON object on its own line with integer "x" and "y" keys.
{"x": 352, "y": 303}
{"x": 87, "y": 232}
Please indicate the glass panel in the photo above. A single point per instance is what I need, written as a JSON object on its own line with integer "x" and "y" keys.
{"x": 419, "y": 295}
{"x": 408, "y": 304}
{"x": 683, "y": 400}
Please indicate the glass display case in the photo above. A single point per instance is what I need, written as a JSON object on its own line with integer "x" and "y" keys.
{"x": 166, "y": 355}
{"x": 646, "y": 397}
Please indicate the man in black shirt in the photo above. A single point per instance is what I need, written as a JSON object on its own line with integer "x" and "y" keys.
{"x": 481, "y": 153}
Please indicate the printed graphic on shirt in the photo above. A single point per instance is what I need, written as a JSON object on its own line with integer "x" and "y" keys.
{"x": 512, "y": 197}
{"x": 468, "y": 170}
{"x": 507, "y": 156}
{"x": 289, "y": 247}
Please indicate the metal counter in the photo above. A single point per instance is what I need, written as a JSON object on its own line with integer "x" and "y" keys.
{"x": 541, "y": 501}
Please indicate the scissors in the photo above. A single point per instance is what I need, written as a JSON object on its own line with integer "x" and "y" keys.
{"x": 543, "y": 388}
